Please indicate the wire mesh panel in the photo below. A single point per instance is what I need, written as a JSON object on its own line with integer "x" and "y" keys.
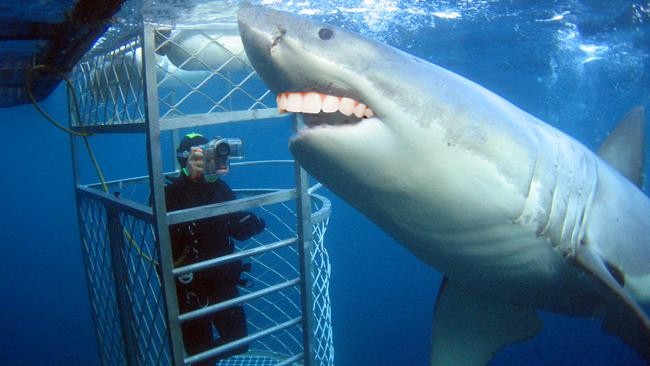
{"x": 144, "y": 292}
{"x": 273, "y": 268}
{"x": 99, "y": 274}
{"x": 110, "y": 86}
{"x": 321, "y": 272}
{"x": 198, "y": 71}
{"x": 205, "y": 70}
{"x": 125, "y": 292}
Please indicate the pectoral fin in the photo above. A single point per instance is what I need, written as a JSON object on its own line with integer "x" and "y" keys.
{"x": 624, "y": 316}
{"x": 469, "y": 328}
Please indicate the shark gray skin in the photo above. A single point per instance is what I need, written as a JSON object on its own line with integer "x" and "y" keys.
{"x": 517, "y": 215}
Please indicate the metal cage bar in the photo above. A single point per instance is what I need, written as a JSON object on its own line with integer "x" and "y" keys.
{"x": 158, "y": 192}
{"x": 305, "y": 249}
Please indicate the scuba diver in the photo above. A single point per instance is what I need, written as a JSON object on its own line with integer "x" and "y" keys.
{"x": 205, "y": 239}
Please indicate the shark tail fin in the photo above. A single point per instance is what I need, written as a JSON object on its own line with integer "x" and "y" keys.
{"x": 469, "y": 327}
{"x": 624, "y": 148}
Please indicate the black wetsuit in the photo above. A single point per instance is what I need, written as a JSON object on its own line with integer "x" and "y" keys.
{"x": 201, "y": 240}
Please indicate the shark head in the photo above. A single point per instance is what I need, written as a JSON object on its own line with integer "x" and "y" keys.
{"x": 314, "y": 70}
{"x": 297, "y": 55}
{"x": 377, "y": 120}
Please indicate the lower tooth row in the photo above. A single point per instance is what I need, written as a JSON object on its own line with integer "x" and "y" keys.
{"x": 315, "y": 103}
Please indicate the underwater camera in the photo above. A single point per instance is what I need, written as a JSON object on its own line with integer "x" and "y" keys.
{"x": 217, "y": 154}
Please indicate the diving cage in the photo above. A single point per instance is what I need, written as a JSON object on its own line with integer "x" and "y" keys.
{"x": 153, "y": 83}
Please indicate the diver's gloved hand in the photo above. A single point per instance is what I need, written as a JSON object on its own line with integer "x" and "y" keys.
{"x": 195, "y": 164}
{"x": 247, "y": 226}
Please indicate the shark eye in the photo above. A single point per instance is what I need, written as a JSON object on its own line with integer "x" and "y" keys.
{"x": 325, "y": 34}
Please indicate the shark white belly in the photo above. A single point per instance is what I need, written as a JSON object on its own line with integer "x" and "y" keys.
{"x": 516, "y": 214}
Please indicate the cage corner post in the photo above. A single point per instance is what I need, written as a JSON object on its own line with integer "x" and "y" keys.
{"x": 304, "y": 231}
{"x": 157, "y": 184}
{"x": 74, "y": 122}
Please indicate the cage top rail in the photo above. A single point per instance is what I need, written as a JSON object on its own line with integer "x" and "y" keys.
{"x": 217, "y": 26}
{"x": 213, "y": 118}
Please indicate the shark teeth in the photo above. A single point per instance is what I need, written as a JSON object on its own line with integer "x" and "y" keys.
{"x": 314, "y": 103}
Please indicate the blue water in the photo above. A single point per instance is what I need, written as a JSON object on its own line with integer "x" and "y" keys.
{"x": 577, "y": 65}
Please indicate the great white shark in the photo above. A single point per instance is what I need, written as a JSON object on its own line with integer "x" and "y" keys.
{"x": 516, "y": 214}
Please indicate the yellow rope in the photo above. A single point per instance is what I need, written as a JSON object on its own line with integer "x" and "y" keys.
{"x": 100, "y": 174}
{"x": 135, "y": 245}
{"x": 30, "y": 95}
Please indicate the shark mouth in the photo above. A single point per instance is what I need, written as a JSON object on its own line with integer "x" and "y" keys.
{"x": 322, "y": 109}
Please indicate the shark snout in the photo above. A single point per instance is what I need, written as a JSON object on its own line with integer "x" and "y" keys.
{"x": 285, "y": 52}
{"x": 265, "y": 25}
{"x": 252, "y": 15}
{"x": 262, "y": 32}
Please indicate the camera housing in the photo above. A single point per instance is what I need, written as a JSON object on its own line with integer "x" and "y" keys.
{"x": 217, "y": 154}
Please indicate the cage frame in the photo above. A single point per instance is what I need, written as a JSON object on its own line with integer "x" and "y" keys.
{"x": 156, "y": 214}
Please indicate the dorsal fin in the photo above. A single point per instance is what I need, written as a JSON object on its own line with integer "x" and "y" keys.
{"x": 624, "y": 148}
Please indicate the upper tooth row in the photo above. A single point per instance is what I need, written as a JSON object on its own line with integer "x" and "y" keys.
{"x": 313, "y": 102}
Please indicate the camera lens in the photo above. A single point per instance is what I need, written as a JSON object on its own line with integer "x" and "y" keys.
{"x": 223, "y": 149}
